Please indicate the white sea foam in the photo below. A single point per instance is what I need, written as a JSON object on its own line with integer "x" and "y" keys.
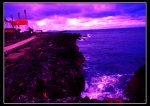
{"x": 88, "y": 35}
{"x": 103, "y": 86}
{"x": 84, "y": 37}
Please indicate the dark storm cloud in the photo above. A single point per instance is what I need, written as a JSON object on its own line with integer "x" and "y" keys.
{"x": 37, "y": 11}
{"x": 79, "y": 15}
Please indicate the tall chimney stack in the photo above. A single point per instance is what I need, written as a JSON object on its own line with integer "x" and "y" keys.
{"x": 18, "y": 15}
{"x": 25, "y": 14}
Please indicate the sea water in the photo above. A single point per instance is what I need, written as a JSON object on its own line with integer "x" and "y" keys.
{"x": 112, "y": 56}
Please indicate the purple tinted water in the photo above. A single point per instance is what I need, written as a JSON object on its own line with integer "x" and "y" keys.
{"x": 112, "y": 56}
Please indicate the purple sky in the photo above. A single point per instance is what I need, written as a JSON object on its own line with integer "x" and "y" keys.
{"x": 77, "y": 16}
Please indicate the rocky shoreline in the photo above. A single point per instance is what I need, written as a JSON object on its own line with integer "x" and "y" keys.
{"x": 51, "y": 68}
{"x": 49, "y": 71}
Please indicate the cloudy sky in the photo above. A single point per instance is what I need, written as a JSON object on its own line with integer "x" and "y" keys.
{"x": 75, "y": 16}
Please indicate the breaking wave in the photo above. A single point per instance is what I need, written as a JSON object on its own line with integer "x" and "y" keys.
{"x": 105, "y": 86}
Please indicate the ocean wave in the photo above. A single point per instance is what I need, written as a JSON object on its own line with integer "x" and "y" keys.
{"x": 88, "y": 35}
{"x": 104, "y": 86}
{"x": 84, "y": 37}
{"x": 87, "y": 57}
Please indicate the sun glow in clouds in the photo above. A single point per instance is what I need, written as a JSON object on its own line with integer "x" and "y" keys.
{"x": 87, "y": 23}
{"x": 74, "y": 21}
{"x": 41, "y": 23}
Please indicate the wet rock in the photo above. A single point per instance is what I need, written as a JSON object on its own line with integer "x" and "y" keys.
{"x": 86, "y": 99}
{"x": 113, "y": 100}
{"x": 118, "y": 100}
{"x": 95, "y": 101}
{"x": 135, "y": 89}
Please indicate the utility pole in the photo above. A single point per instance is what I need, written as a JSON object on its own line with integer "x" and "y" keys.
{"x": 18, "y": 22}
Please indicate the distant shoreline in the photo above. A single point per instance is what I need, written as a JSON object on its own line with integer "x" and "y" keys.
{"x": 105, "y": 29}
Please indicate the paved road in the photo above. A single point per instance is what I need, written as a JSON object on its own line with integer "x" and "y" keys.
{"x": 10, "y": 47}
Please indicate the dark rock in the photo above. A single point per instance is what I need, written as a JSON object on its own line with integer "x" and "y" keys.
{"x": 50, "y": 69}
{"x": 113, "y": 100}
{"x": 86, "y": 99}
{"x": 95, "y": 101}
{"x": 135, "y": 89}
